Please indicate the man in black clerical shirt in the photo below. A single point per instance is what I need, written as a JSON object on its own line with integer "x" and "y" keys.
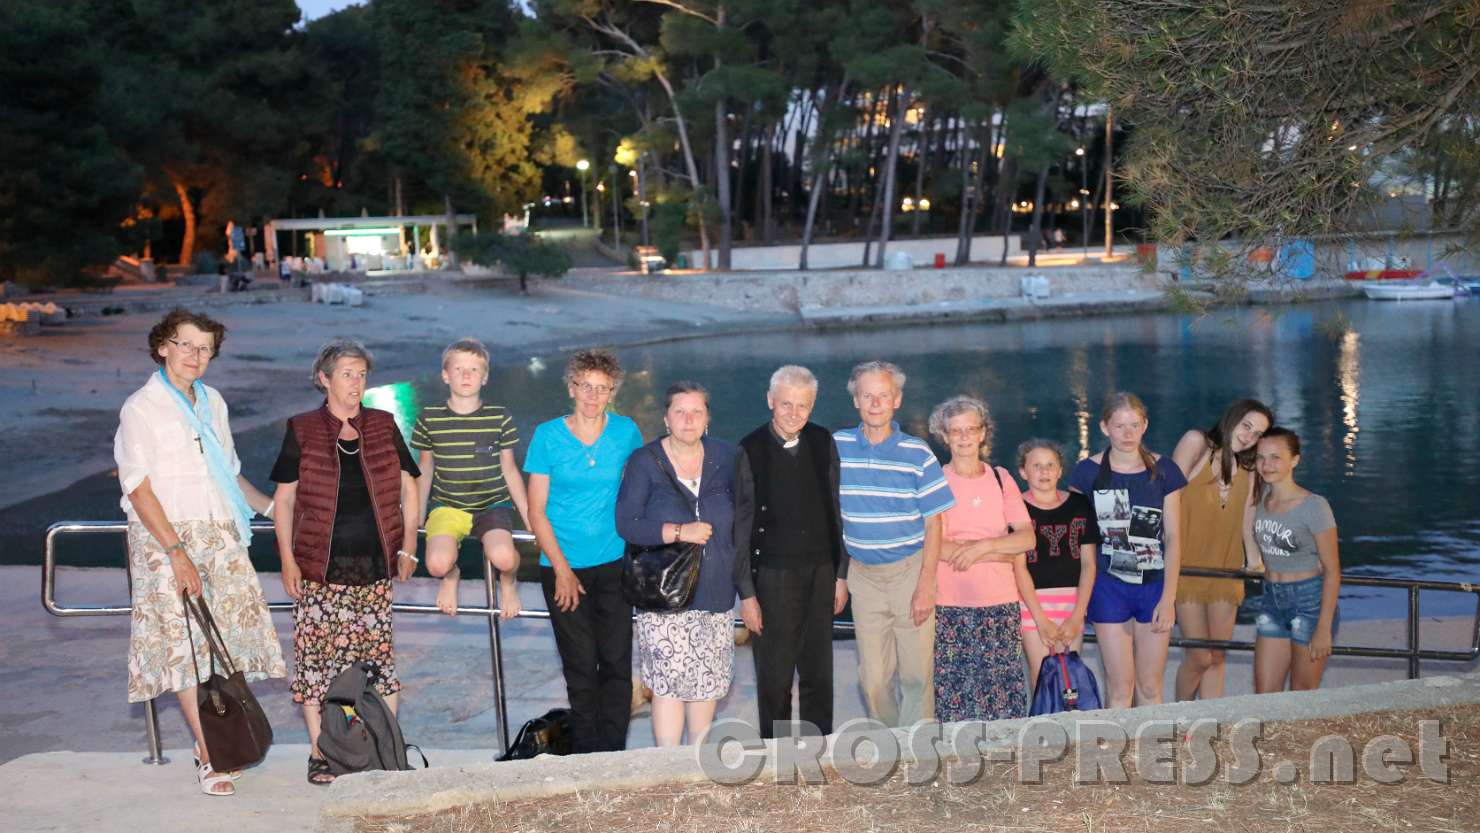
{"x": 788, "y": 523}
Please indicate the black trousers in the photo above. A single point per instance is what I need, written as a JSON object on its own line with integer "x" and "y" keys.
{"x": 796, "y": 641}
{"x": 595, "y": 645}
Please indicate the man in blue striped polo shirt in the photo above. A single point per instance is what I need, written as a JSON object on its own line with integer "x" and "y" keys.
{"x": 892, "y": 493}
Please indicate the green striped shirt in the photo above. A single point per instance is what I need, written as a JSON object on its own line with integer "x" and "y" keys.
{"x": 467, "y": 473}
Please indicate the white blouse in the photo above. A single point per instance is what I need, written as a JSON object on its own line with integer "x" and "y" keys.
{"x": 155, "y": 441}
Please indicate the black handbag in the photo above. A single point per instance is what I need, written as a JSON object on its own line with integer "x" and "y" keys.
{"x": 662, "y": 577}
{"x": 236, "y": 730}
{"x": 548, "y": 734}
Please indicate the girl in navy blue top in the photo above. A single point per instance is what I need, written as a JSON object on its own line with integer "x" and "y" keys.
{"x": 687, "y": 656}
{"x": 1136, "y": 500}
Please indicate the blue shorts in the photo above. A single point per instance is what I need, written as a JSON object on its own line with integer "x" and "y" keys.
{"x": 1291, "y": 609}
{"x": 1114, "y": 601}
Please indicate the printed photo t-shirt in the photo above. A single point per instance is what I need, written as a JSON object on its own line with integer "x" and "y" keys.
{"x": 1128, "y": 508}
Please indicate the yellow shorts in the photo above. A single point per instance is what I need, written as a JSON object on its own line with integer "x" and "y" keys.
{"x": 445, "y": 520}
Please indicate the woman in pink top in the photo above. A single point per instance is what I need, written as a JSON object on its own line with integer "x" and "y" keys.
{"x": 978, "y": 655}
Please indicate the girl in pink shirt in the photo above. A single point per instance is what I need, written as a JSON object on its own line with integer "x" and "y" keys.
{"x": 978, "y": 658}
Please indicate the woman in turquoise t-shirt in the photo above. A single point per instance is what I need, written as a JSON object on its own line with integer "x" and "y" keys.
{"x": 575, "y": 466}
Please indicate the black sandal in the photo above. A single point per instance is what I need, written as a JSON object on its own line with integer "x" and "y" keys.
{"x": 317, "y": 769}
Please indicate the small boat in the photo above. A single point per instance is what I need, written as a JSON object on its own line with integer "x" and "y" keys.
{"x": 1409, "y": 291}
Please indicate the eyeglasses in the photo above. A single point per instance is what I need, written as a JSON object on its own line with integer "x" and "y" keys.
{"x": 594, "y": 390}
{"x": 964, "y": 432}
{"x": 205, "y": 351}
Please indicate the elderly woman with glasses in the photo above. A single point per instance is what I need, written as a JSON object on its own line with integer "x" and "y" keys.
{"x": 986, "y": 535}
{"x": 346, "y": 521}
{"x": 189, "y": 512}
{"x": 575, "y": 467}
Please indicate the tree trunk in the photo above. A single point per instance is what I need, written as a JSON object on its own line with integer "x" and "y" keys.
{"x": 799, "y": 142}
{"x": 451, "y": 231}
{"x": 968, "y": 197}
{"x": 1035, "y": 235}
{"x": 722, "y": 183}
{"x": 922, "y": 152}
{"x": 1109, "y": 186}
{"x": 187, "y": 212}
{"x": 823, "y": 169}
{"x": 891, "y": 161}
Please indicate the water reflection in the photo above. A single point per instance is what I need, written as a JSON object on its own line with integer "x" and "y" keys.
{"x": 1348, "y": 375}
{"x": 400, "y": 399}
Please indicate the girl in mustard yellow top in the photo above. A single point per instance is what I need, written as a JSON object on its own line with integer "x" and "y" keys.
{"x": 1218, "y": 463}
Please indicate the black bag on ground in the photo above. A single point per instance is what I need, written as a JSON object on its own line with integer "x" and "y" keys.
{"x": 358, "y": 731}
{"x": 236, "y": 730}
{"x": 548, "y": 734}
{"x": 662, "y": 577}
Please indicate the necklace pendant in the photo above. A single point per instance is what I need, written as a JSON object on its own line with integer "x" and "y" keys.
{"x": 591, "y": 462}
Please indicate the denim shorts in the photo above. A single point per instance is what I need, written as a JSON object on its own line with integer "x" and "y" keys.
{"x": 1291, "y": 609}
{"x": 1114, "y": 601}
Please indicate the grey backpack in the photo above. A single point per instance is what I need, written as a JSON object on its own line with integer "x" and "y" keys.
{"x": 358, "y": 730}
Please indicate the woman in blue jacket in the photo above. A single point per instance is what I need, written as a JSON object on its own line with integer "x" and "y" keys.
{"x": 686, "y": 657}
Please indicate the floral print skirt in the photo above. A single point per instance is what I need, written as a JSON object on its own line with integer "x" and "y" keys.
{"x": 979, "y": 663}
{"x": 159, "y": 651}
{"x": 687, "y": 654}
{"x": 335, "y": 626}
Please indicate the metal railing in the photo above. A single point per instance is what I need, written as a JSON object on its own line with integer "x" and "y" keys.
{"x": 1413, "y": 651}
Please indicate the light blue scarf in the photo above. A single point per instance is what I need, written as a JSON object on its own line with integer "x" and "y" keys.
{"x": 199, "y": 418}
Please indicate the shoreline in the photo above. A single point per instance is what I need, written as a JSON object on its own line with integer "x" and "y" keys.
{"x": 44, "y": 378}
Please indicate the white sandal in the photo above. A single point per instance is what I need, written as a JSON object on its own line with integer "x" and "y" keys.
{"x": 209, "y": 780}
{"x": 233, "y": 774}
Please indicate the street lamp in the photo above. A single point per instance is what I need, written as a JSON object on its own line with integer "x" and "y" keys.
{"x": 583, "y": 166}
{"x": 1084, "y": 194}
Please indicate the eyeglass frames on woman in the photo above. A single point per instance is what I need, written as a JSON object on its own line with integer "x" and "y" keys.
{"x": 205, "y": 351}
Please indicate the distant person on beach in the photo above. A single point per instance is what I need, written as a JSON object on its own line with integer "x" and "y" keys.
{"x": 978, "y": 654}
{"x": 346, "y": 523}
{"x": 1294, "y": 533}
{"x": 681, "y": 487}
{"x": 189, "y": 525}
{"x": 469, "y": 483}
{"x": 1137, "y": 500}
{"x": 575, "y": 466}
{"x": 790, "y": 535}
{"x": 1061, "y": 564}
{"x": 1218, "y": 463}
{"x": 892, "y": 495}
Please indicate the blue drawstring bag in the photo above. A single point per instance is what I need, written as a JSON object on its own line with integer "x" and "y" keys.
{"x": 1065, "y": 684}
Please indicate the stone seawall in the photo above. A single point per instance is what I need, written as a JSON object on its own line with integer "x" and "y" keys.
{"x": 804, "y": 292}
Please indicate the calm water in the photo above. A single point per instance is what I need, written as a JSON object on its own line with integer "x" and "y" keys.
{"x": 1383, "y": 395}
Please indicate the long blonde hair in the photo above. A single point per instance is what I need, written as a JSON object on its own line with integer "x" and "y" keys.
{"x": 1120, "y": 401}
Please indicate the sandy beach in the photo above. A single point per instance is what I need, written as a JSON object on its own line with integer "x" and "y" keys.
{"x": 69, "y": 381}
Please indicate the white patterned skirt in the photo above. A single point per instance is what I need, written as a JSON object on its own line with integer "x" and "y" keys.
{"x": 685, "y": 655}
{"x": 159, "y": 651}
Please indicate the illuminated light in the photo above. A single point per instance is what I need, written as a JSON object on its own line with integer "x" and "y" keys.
{"x": 583, "y": 165}
{"x": 1114, "y": 206}
{"x": 1079, "y": 151}
{"x": 601, "y": 186}
{"x": 1351, "y": 147}
{"x": 632, "y": 174}
{"x": 400, "y": 399}
{"x": 907, "y": 205}
{"x": 378, "y": 231}
{"x": 1074, "y": 205}
{"x": 924, "y": 204}
{"x": 568, "y": 200}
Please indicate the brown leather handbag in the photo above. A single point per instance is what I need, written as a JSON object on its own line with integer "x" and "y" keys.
{"x": 236, "y": 730}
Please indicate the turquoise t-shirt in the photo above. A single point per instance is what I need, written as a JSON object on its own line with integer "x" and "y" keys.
{"x": 582, "y": 507}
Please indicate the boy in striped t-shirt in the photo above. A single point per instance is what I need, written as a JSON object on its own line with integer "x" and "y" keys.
{"x": 469, "y": 480}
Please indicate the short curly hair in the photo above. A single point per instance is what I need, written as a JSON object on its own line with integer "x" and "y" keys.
{"x": 956, "y": 406}
{"x": 170, "y": 324}
{"x": 594, "y": 361}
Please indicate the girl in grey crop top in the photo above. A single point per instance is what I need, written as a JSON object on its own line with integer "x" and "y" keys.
{"x": 1287, "y": 540}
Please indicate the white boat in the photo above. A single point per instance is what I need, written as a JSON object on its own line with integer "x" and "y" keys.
{"x": 1394, "y": 291}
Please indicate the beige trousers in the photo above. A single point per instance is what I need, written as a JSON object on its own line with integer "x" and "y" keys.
{"x": 890, "y": 644}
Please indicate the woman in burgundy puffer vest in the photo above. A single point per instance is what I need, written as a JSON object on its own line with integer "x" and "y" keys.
{"x": 346, "y": 515}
